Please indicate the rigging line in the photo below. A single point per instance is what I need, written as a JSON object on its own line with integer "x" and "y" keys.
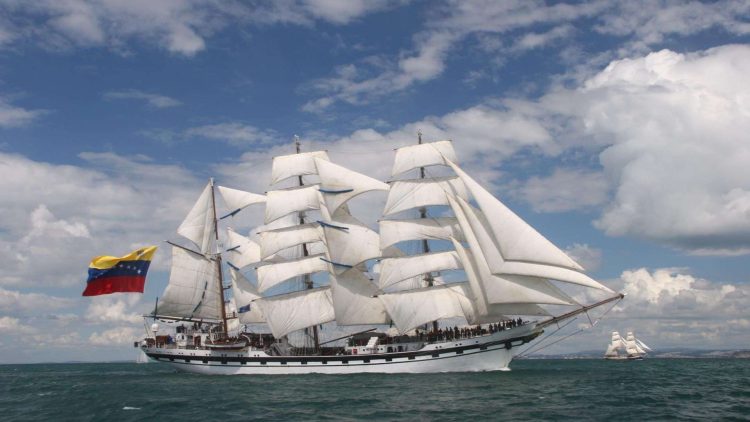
{"x": 526, "y": 352}
{"x": 548, "y": 336}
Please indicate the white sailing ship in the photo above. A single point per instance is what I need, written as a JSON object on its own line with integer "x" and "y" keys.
{"x": 629, "y": 348}
{"x": 348, "y": 276}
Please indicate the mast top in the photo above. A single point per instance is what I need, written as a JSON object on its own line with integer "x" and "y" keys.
{"x": 419, "y": 136}
{"x": 297, "y": 143}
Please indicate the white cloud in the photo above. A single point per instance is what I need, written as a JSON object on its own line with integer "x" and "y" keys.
{"x": 590, "y": 258}
{"x": 13, "y": 116}
{"x": 669, "y": 308}
{"x": 115, "y": 336}
{"x": 649, "y": 22}
{"x": 153, "y": 100}
{"x": 528, "y": 25}
{"x": 179, "y": 27}
{"x": 449, "y": 24}
{"x": 14, "y": 326}
{"x": 342, "y": 12}
{"x": 233, "y": 133}
{"x": 534, "y": 40}
{"x": 105, "y": 309}
{"x": 31, "y": 304}
{"x": 671, "y": 119}
{"x": 660, "y": 124}
{"x": 565, "y": 190}
{"x": 48, "y": 209}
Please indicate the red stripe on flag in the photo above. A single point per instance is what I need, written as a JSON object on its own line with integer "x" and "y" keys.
{"x": 106, "y": 285}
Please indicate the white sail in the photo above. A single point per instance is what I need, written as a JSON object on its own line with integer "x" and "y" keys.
{"x": 280, "y": 203}
{"x": 477, "y": 306}
{"x": 476, "y": 223}
{"x": 354, "y": 300}
{"x": 233, "y": 322}
{"x": 643, "y": 345}
{"x": 611, "y": 351}
{"x": 301, "y": 164}
{"x": 350, "y": 242}
{"x": 630, "y": 347}
{"x": 339, "y": 184}
{"x": 518, "y": 241}
{"x": 492, "y": 312}
{"x": 193, "y": 290}
{"x": 415, "y": 193}
{"x": 410, "y": 309}
{"x": 422, "y": 155}
{"x": 274, "y": 274}
{"x": 393, "y": 270}
{"x": 198, "y": 226}
{"x": 273, "y": 241}
{"x": 617, "y": 341}
{"x": 506, "y": 288}
{"x": 241, "y": 251}
{"x": 236, "y": 199}
{"x": 245, "y": 295}
{"x": 298, "y": 310}
{"x": 440, "y": 228}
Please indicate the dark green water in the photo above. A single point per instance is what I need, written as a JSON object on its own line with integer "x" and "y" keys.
{"x": 656, "y": 389}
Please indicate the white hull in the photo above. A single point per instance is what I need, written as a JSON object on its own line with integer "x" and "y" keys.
{"x": 486, "y": 353}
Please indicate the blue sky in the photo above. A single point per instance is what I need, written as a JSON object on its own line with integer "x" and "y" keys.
{"x": 617, "y": 129}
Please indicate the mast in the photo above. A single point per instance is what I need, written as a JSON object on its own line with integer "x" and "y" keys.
{"x": 307, "y": 280}
{"x": 425, "y": 245}
{"x": 218, "y": 263}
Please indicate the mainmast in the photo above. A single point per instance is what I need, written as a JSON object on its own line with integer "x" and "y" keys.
{"x": 220, "y": 284}
{"x": 425, "y": 245}
{"x": 307, "y": 280}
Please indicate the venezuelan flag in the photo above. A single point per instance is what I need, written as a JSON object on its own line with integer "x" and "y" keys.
{"x": 109, "y": 274}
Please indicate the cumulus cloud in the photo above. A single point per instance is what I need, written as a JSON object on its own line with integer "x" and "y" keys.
{"x": 659, "y": 125}
{"x": 105, "y": 309}
{"x": 44, "y": 213}
{"x": 667, "y": 308}
{"x": 152, "y": 100}
{"x": 667, "y": 119}
{"x": 676, "y": 308}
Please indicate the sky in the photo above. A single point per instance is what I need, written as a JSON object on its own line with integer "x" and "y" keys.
{"x": 618, "y": 129}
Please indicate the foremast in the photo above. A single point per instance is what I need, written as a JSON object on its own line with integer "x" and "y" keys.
{"x": 220, "y": 284}
{"x": 429, "y": 280}
{"x": 308, "y": 283}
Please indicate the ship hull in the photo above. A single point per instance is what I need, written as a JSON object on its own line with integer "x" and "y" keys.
{"x": 486, "y": 353}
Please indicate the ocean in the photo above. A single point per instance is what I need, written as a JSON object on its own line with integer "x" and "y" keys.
{"x": 653, "y": 389}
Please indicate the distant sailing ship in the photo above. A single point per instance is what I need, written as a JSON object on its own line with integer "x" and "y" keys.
{"x": 347, "y": 274}
{"x": 629, "y": 348}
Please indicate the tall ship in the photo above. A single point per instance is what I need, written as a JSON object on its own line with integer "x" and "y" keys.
{"x": 629, "y": 348}
{"x": 451, "y": 279}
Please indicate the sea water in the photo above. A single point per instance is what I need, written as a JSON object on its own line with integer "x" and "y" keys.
{"x": 652, "y": 389}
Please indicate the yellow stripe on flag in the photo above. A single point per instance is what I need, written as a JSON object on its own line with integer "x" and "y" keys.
{"x": 105, "y": 262}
